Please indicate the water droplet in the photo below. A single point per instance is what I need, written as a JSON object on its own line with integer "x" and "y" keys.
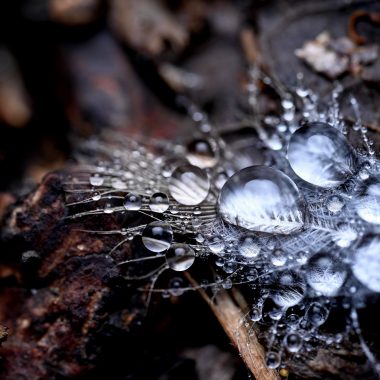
{"x": 108, "y": 209}
{"x": 118, "y": 184}
{"x": 335, "y": 203}
{"x": 157, "y": 236}
{"x": 293, "y": 342}
{"x": 288, "y": 288}
{"x": 273, "y": 359}
{"x": 159, "y": 202}
{"x": 255, "y": 314}
{"x": 325, "y": 274}
{"x": 366, "y": 263}
{"x": 200, "y": 153}
{"x": 132, "y": 202}
{"x": 345, "y": 235}
{"x": 316, "y": 314}
{"x": 189, "y": 185}
{"x": 320, "y": 155}
{"x": 96, "y": 180}
{"x": 96, "y": 197}
{"x": 249, "y": 247}
{"x": 368, "y": 205}
{"x": 180, "y": 257}
{"x": 216, "y": 244}
{"x": 260, "y": 198}
{"x": 278, "y": 258}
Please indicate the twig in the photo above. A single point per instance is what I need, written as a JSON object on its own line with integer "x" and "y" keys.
{"x": 230, "y": 316}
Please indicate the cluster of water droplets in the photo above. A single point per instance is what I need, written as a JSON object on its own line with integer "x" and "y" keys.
{"x": 293, "y": 213}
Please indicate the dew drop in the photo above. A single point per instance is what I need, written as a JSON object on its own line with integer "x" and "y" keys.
{"x": 260, "y": 198}
{"x": 273, "y": 360}
{"x": 180, "y": 257}
{"x": 316, "y": 314}
{"x": 159, "y": 202}
{"x": 200, "y": 153}
{"x": 325, "y": 274}
{"x": 216, "y": 244}
{"x": 255, "y": 314}
{"x": 320, "y": 155}
{"x": 334, "y": 204}
{"x": 288, "y": 288}
{"x": 157, "y": 236}
{"x": 132, "y": 202}
{"x": 368, "y": 205}
{"x": 96, "y": 180}
{"x": 293, "y": 342}
{"x": 278, "y": 258}
{"x": 96, "y": 197}
{"x": 189, "y": 185}
{"x": 249, "y": 247}
{"x": 366, "y": 263}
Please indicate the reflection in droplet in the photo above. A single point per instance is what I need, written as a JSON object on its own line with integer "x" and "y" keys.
{"x": 189, "y": 185}
{"x": 157, "y": 236}
{"x": 325, "y": 274}
{"x": 366, "y": 263}
{"x": 320, "y": 155}
{"x": 180, "y": 257}
{"x": 260, "y": 198}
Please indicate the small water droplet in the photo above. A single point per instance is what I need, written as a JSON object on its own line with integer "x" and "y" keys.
{"x": 159, "y": 202}
{"x": 366, "y": 263}
{"x": 132, "y": 202}
{"x": 293, "y": 342}
{"x": 273, "y": 360}
{"x": 189, "y": 185}
{"x": 325, "y": 274}
{"x": 216, "y": 244}
{"x": 278, "y": 258}
{"x": 288, "y": 288}
{"x": 249, "y": 247}
{"x": 316, "y": 314}
{"x": 157, "y": 236}
{"x": 180, "y": 257}
{"x": 335, "y": 204}
{"x": 200, "y": 153}
{"x": 96, "y": 180}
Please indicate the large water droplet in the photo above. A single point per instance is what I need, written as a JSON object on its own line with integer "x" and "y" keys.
{"x": 260, "y": 198}
{"x": 320, "y": 155}
{"x": 132, "y": 202}
{"x": 368, "y": 205}
{"x": 325, "y": 274}
{"x": 180, "y": 257}
{"x": 288, "y": 288}
{"x": 366, "y": 263}
{"x": 189, "y": 185}
{"x": 200, "y": 153}
{"x": 157, "y": 236}
{"x": 159, "y": 202}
